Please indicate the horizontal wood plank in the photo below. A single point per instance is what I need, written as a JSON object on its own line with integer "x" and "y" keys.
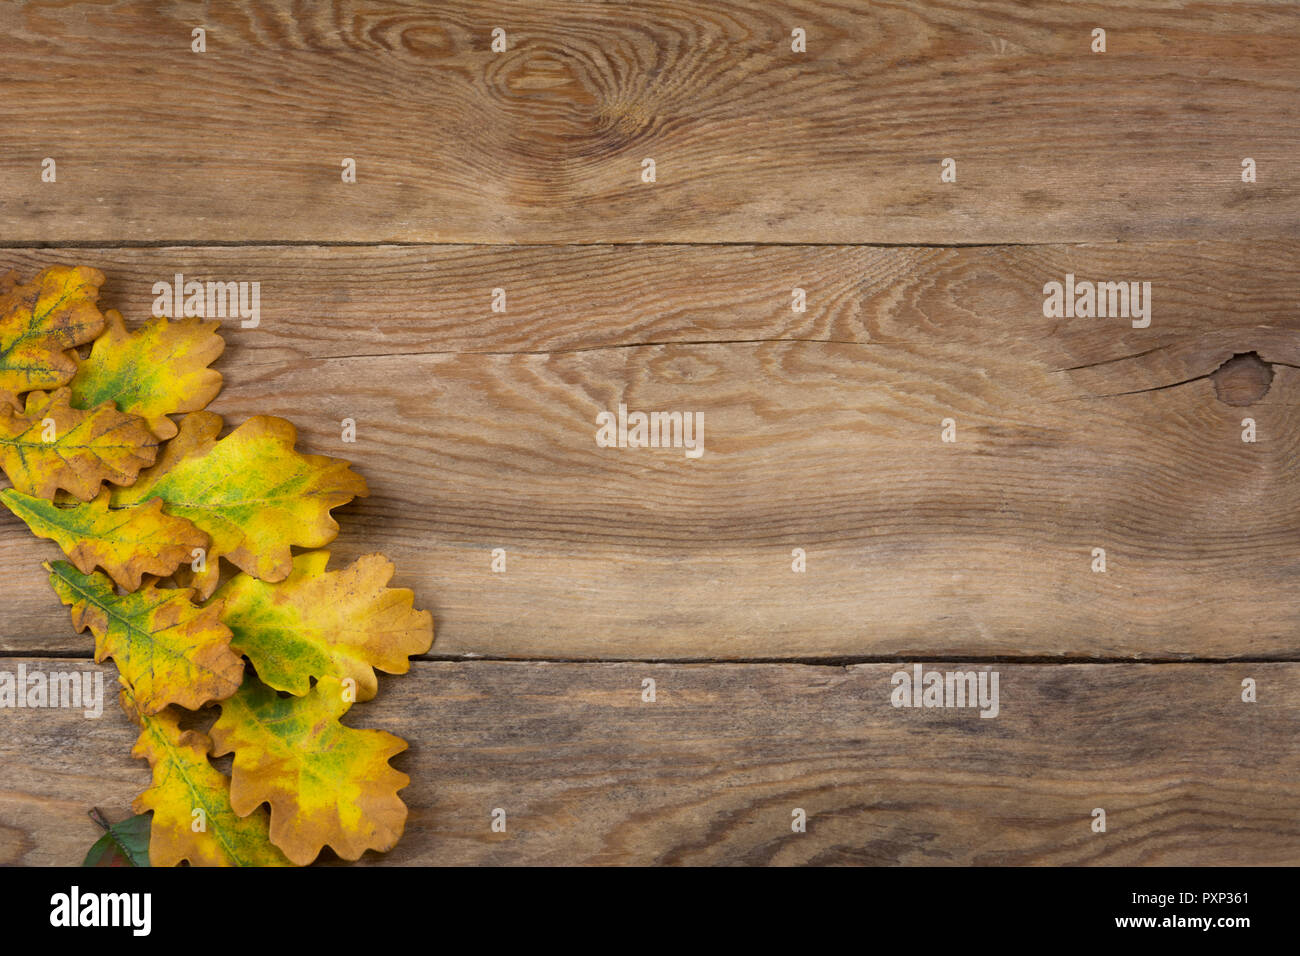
{"x": 711, "y": 771}
{"x": 477, "y": 431}
{"x": 1210, "y": 297}
{"x": 544, "y": 142}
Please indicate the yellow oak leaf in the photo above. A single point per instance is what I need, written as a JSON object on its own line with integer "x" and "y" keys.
{"x": 51, "y": 445}
{"x": 127, "y": 543}
{"x": 41, "y": 321}
{"x": 169, "y": 650}
{"x": 253, "y": 494}
{"x": 327, "y": 784}
{"x": 190, "y": 800}
{"x": 316, "y": 623}
{"x": 154, "y": 371}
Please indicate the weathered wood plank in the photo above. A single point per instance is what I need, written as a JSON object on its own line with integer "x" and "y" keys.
{"x": 544, "y": 142}
{"x": 1072, "y": 434}
{"x": 710, "y": 773}
{"x": 322, "y": 302}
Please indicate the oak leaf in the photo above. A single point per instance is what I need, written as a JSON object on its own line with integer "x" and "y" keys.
{"x": 252, "y": 493}
{"x": 326, "y": 784}
{"x": 51, "y": 445}
{"x": 184, "y": 781}
{"x": 154, "y": 371}
{"x": 127, "y": 543}
{"x": 316, "y": 623}
{"x": 168, "y": 649}
{"x": 41, "y": 321}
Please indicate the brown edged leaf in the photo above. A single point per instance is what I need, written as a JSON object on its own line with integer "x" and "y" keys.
{"x": 166, "y": 648}
{"x": 51, "y": 445}
{"x": 316, "y": 623}
{"x": 41, "y": 321}
{"x": 127, "y": 543}
{"x": 153, "y": 371}
{"x": 190, "y": 800}
{"x": 253, "y": 494}
{"x": 327, "y": 784}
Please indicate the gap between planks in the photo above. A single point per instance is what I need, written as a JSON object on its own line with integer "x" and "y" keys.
{"x": 570, "y": 244}
{"x": 799, "y": 661}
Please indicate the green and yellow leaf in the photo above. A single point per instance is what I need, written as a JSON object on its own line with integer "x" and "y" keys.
{"x": 51, "y": 445}
{"x": 184, "y": 781}
{"x": 318, "y": 623}
{"x": 251, "y": 498}
{"x": 254, "y": 495}
{"x": 127, "y": 543}
{"x": 169, "y": 650}
{"x": 157, "y": 370}
{"x": 42, "y": 321}
{"x": 327, "y": 784}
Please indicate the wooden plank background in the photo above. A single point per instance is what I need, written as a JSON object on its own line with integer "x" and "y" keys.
{"x": 711, "y": 772}
{"x": 475, "y": 429}
{"x": 544, "y": 143}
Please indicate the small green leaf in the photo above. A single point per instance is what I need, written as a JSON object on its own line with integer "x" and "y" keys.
{"x": 123, "y": 844}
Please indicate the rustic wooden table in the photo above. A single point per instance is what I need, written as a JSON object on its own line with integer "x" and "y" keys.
{"x": 479, "y": 169}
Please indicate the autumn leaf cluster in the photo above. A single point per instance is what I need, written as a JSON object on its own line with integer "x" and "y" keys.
{"x": 150, "y": 511}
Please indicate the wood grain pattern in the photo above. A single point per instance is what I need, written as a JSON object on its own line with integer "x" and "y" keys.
{"x": 710, "y": 772}
{"x": 477, "y": 430}
{"x": 544, "y": 142}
